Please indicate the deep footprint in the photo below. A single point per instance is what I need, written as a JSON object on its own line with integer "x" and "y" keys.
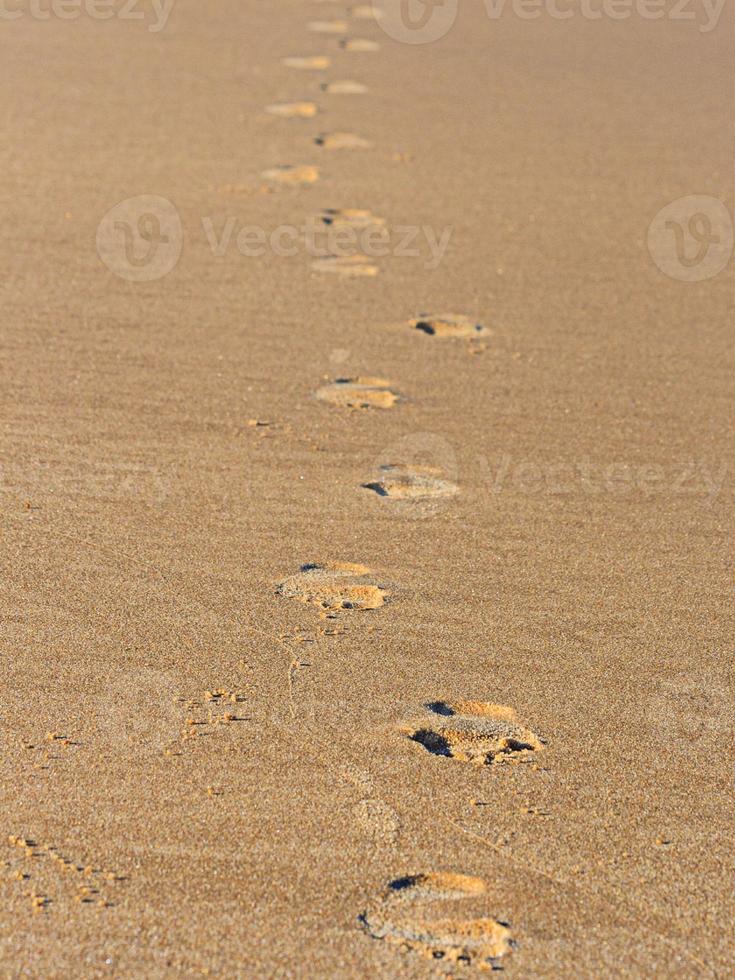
{"x": 334, "y": 586}
{"x": 358, "y": 393}
{"x": 397, "y": 918}
{"x": 398, "y": 481}
{"x": 478, "y": 732}
{"x": 448, "y": 325}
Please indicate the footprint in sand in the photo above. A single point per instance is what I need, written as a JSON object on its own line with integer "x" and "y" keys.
{"x": 334, "y": 586}
{"x": 398, "y": 917}
{"x": 473, "y": 731}
{"x": 342, "y": 141}
{"x": 348, "y": 266}
{"x": 327, "y": 26}
{"x": 358, "y": 44}
{"x": 366, "y": 11}
{"x": 293, "y": 110}
{"x": 317, "y": 62}
{"x": 415, "y": 476}
{"x": 377, "y": 820}
{"x": 292, "y": 175}
{"x": 353, "y": 217}
{"x": 448, "y": 325}
{"x": 401, "y": 481}
{"x": 345, "y": 87}
{"x": 358, "y": 393}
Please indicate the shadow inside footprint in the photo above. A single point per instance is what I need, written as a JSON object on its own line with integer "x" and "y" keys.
{"x": 432, "y": 741}
{"x": 440, "y": 708}
{"x": 376, "y": 488}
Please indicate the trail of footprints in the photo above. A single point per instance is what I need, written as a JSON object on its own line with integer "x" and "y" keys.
{"x": 418, "y": 912}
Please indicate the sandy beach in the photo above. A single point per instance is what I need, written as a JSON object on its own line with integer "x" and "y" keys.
{"x": 367, "y": 490}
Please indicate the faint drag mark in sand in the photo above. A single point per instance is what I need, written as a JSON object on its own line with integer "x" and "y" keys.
{"x": 342, "y": 141}
{"x": 377, "y": 820}
{"x": 327, "y": 26}
{"x": 361, "y": 44}
{"x": 473, "y": 731}
{"x": 292, "y": 175}
{"x": 344, "y": 87}
{"x": 416, "y": 476}
{"x": 293, "y": 110}
{"x": 449, "y": 325}
{"x": 316, "y": 62}
{"x": 334, "y": 586}
{"x": 348, "y": 266}
{"x": 358, "y": 393}
{"x": 398, "y": 917}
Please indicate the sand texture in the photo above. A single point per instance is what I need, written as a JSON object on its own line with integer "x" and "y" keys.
{"x": 367, "y": 494}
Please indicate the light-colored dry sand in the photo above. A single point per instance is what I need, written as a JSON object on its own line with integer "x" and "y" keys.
{"x": 202, "y": 776}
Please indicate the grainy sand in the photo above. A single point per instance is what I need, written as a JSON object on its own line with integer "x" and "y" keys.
{"x": 467, "y": 630}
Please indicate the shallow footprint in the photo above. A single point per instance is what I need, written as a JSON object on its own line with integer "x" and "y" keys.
{"x": 327, "y": 26}
{"x": 359, "y": 44}
{"x": 345, "y": 87}
{"x": 342, "y": 141}
{"x": 398, "y": 918}
{"x": 402, "y": 481}
{"x": 317, "y": 62}
{"x": 366, "y": 11}
{"x": 346, "y": 265}
{"x": 473, "y": 731}
{"x": 293, "y": 110}
{"x": 353, "y": 217}
{"x": 292, "y": 175}
{"x": 448, "y": 325}
{"x": 358, "y": 393}
{"x": 334, "y": 586}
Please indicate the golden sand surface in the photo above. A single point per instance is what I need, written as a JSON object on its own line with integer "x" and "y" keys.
{"x": 376, "y": 623}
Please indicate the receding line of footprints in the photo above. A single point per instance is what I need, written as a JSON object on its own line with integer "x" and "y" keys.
{"x": 474, "y": 732}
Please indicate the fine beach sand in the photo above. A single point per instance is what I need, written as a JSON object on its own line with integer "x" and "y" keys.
{"x": 308, "y": 585}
